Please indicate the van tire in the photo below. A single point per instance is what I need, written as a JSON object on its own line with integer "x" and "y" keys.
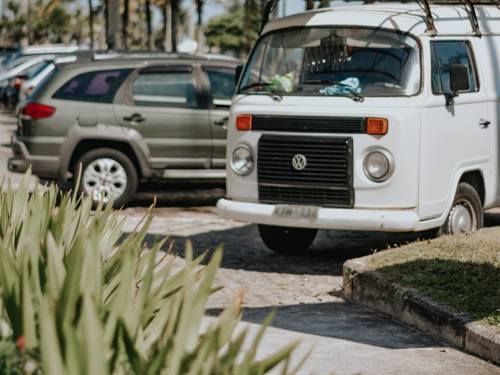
{"x": 286, "y": 240}
{"x": 122, "y": 161}
{"x": 466, "y": 214}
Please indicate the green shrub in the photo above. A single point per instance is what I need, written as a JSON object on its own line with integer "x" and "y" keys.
{"x": 76, "y": 298}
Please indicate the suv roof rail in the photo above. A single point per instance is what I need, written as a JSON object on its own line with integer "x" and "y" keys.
{"x": 103, "y": 55}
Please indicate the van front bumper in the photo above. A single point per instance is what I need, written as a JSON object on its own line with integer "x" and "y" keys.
{"x": 328, "y": 218}
{"x": 42, "y": 166}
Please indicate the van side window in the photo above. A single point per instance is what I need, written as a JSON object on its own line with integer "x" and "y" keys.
{"x": 444, "y": 54}
{"x": 165, "y": 89}
{"x": 222, "y": 84}
{"x": 98, "y": 86}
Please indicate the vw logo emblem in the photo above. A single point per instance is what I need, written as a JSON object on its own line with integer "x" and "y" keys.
{"x": 299, "y": 162}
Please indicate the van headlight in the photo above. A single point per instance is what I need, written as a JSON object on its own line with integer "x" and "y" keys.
{"x": 378, "y": 165}
{"x": 242, "y": 160}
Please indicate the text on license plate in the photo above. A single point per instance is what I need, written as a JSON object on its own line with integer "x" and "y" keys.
{"x": 298, "y": 212}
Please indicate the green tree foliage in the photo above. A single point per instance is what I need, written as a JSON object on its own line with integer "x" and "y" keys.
{"x": 235, "y": 31}
{"x": 50, "y": 23}
{"x": 13, "y": 23}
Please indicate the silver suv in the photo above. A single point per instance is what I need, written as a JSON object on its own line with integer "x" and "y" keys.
{"x": 127, "y": 120}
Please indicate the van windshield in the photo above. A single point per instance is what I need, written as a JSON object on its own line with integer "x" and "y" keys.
{"x": 334, "y": 61}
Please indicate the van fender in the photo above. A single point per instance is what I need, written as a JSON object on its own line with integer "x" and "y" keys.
{"x": 457, "y": 176}
{"x": 100, "y": 132}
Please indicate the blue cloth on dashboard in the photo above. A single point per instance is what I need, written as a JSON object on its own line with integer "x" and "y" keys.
{"x": 346, "y": 87}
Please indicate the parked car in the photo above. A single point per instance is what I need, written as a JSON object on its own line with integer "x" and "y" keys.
{"x": 376, "y": 117}
{"x": 34, "y": 78}
{"x": 11, "y": 80}
{"x": 23, "y": 54}
{"x": 127, "y": 120}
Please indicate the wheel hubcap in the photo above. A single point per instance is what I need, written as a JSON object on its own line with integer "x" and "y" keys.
{"x": 462, "y": 218}
{"x": 104, "y": 179}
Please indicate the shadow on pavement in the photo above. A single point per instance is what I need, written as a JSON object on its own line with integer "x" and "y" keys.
{"x": 179, "y": 194}
{"x": 243, "y": 249}
{"x": 340, "y": 320}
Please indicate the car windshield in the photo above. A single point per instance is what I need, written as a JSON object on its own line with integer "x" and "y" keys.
{"x": 334, "y": 62}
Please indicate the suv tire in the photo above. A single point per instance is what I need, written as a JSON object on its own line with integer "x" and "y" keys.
{"x": 286, "y": 240}
{"x": 113, "y": 170}
{"x": 466, "y": 214}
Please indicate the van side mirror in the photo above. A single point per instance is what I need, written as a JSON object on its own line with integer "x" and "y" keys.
{"x": 237, "y": 75}
{"x": 459, "y": 81}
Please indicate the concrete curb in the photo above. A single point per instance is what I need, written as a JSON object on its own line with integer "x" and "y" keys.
{"x": 369, "y": 288}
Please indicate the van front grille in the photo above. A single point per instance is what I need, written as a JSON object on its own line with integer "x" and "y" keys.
{"x": 325, "y": 180}
{"x": 309, "y": 124}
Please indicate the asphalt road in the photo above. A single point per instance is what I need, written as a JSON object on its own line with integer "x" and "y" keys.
{"x": 346, "y": 338}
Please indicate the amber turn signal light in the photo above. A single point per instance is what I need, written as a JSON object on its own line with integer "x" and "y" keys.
{"x": 244, "y": 122}
{"x": 377, "y": 126}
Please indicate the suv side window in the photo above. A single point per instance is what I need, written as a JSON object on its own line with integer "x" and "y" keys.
{"x": 165, "y": 89}
{"x": 222, "y": 84}
{"x": 444, "y": 54}
{"x": 98, "y": 86}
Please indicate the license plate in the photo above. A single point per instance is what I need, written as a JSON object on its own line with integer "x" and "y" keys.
{"x": 296, "y": 212}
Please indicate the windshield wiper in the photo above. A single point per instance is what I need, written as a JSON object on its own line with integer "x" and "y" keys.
{"x": 271, "y": 92}
{"x": 356, "y": 97}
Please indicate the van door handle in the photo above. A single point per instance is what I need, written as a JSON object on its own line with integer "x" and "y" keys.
{"x": 136, "y": 117}
{"x": 483, "y": 124}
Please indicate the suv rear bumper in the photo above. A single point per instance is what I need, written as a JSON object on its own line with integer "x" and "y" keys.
{"x": 328, "y": 218}
{"x": 43, "y": 166}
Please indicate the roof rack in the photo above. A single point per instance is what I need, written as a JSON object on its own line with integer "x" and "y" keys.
{"x": 469, "y": 6}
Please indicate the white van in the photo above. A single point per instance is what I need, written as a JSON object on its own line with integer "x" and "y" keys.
{"x": 380, "y": 117}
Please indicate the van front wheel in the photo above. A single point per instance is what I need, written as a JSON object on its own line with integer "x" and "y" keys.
{"x": 285, "y": 240}
{"x": 466, "y": 214}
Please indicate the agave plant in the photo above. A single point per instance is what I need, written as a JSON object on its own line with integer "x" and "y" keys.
{"x": 78, "y": 298}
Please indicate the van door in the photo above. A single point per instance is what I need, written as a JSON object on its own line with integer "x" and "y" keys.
{"x": 222, "y": 88}
{"x": 456, "y": 136}
{"x": 164, "y": 107}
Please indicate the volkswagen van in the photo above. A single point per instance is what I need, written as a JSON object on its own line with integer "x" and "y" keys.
{"x": 380, "y": 117}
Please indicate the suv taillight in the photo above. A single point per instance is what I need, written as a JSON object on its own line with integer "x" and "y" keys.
{"x": 38, "y": 111}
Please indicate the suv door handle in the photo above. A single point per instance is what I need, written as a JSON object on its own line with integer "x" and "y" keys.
{"x": 136, "y": 117}
{"x": 222, "y": 122}
{"x": 483, "y": 124}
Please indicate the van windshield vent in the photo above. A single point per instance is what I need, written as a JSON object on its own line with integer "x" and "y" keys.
{"x": 303, "y": 124}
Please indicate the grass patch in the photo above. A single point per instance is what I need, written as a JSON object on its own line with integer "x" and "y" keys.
{"x": 460, "y": 271}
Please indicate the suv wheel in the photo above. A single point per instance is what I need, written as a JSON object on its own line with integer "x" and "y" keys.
{"x": 285, "y": 240}
{"x": 466, "y": 214}
{"x": 108, "y": 175}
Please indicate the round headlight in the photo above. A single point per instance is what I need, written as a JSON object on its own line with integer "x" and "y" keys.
{"x": 378, "y": 166}
{"x": 242, "y": 160}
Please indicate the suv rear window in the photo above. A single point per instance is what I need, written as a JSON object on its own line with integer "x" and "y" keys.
{"x": 99, "y": 86}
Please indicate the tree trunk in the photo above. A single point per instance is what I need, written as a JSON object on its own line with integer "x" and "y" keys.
{"x": 113, "y": 24}
{"x": 199, "y": 25}
{"x": 91, "y": 24}
{"x": 125, "y": 19}
{"x": 149, "y": 26}
{"x": 174, "y": 19}
{"x": 167, "y": 27}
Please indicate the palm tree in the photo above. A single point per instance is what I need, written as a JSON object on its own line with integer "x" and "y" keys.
{"x": 91, "y": 23}
{"x": 149, "y": 26}
{"x": 199, "y": 23}
{"x": 125, "y": 23}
